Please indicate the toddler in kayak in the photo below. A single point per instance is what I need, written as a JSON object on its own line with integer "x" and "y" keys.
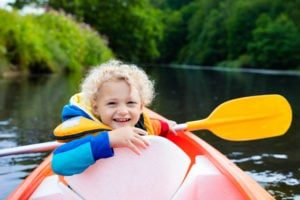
{"x": 110, "y": 113}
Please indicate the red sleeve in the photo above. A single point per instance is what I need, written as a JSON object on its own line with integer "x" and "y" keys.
{"x": 160, "y": 127}
{"x": 164, "y": 128}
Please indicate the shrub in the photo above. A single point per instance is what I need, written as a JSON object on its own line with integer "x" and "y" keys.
{"x": 50, "y": 42}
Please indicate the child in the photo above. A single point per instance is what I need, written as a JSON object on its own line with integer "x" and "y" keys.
{"x": 114, "y": 95}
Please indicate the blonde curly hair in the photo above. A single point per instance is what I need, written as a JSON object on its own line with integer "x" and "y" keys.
{"x": 116, "y": 70}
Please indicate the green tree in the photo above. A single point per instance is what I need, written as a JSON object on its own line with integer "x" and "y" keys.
{"x": 241, "y": 22}
{"x": 207, "y": 36}
{"x": 292, "y": 9}
{"x": 176, "y": 32}
{"x": 205, "y": 32}
{"x": 133, "y": 27}
{"x": 276, "y": 43}
{"x": 48, "y": 43}
{"x": 170, "y": 4}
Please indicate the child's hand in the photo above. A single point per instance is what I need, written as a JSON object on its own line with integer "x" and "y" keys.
{"x": 130, "y": 137}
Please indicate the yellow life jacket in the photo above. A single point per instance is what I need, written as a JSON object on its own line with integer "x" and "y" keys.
{"x": 80, "y": 126}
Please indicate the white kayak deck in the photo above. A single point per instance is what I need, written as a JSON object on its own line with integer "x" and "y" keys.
{"x": 160, "y": 172}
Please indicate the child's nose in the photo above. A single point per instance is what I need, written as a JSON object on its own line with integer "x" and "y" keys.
{"x": 122, "y": 110}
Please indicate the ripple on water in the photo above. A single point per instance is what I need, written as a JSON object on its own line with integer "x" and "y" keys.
{"x": 12, "y": 171}
{"x": 14, "y": 168}
{"x": 7, "y": 135}
{"x": 254, "y": 158}
{"x": 7, "y": 144}
{"x": 271, "y": 180}
{"x": 271, "y": 177}
{"x": 5, "y": 122}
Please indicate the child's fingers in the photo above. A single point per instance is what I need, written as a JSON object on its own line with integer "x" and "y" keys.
{"x": 134, "y": 148}
{"x": 140, "y": 141}
{"x": 140, "y": 131}
{"x": 137, "y": 142}
{"x": 141, "y": 138}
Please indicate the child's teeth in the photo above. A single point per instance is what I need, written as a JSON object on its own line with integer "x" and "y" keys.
{"x": 122, "y": 120}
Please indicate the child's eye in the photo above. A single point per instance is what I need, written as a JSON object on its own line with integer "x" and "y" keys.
{"x": 111, "y": 103}
{"x": 131, "y": 103}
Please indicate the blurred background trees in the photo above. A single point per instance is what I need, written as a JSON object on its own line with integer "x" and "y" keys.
{"x": 257, "y": 33}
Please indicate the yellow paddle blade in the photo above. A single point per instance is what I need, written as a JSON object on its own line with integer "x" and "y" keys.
{"x": 248, "y": 118}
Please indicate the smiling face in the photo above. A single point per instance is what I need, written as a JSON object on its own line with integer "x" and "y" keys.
{"x": 117, "y": 104}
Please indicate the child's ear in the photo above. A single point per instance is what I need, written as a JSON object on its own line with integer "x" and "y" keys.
{"x": 94, "y": 107}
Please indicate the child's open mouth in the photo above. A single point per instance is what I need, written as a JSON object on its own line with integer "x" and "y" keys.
{"x": 122, "y": 120}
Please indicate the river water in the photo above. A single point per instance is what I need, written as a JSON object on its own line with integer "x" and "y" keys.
{"x": 30, "y": 109}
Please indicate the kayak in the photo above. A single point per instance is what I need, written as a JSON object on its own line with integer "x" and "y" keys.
{"x": 180, "y": 166}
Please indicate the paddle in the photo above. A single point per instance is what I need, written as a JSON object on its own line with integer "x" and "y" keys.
{"x": 32, "y": 148}
{"x": 247, "y": 118}
{"x": 241, "y": 119}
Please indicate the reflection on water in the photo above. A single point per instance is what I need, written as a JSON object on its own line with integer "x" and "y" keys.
{"x": 30, "y": 109}
{"x": 15, "y": 168}
{"x": 270, "y": 179}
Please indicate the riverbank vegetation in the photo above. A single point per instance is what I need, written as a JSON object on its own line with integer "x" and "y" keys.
{"x": 256, "y": 34}
{"x": 51, "y": 42}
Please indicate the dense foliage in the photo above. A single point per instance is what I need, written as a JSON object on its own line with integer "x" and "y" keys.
{"x": 132, "y": 26}
{"x": 48, "y": 43}
{"x": 257, "y": 33}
